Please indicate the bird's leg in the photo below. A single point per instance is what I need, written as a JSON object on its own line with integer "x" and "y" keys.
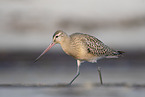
{"x": 78, "y": 71}
{"x": 100, "y": 75}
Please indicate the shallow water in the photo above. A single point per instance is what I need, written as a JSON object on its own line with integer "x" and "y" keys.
{"x": 72, "y": 92}
{"x": 20, "y": 77}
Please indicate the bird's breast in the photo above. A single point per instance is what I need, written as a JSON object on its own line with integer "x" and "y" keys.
{"x": 72, "y": 51}
{"x": 78, "y": 51}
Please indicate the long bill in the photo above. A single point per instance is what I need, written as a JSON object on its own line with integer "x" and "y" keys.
{"x": 51, "y": 45}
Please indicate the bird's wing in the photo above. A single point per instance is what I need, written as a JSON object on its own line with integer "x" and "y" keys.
{"x": 96, "y": 47}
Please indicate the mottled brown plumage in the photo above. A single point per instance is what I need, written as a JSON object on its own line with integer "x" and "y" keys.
{"x": 82, "y": 47}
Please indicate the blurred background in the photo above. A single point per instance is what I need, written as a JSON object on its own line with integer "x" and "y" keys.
{"x": 27, "y": 27}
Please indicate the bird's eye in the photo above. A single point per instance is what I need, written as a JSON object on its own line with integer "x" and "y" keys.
{"x": 56, "y": 36}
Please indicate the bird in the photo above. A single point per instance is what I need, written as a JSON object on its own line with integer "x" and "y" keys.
{"x": 82, "y": 47}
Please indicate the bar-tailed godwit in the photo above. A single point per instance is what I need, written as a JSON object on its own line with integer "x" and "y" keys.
{"x": 82, "y": 47}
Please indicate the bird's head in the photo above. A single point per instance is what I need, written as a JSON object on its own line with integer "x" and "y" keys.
{"x": 58, "y": 37}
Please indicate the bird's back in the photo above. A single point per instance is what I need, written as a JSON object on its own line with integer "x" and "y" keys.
{"x": 92, "y": 45}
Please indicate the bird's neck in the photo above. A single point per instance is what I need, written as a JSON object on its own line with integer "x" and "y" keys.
{"x": 65, "y": 40}
{"x": 65, "y": 43}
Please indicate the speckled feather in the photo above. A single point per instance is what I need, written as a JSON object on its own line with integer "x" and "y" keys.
{"x": 84, "y": 47}
{"x": 95, "y": 46}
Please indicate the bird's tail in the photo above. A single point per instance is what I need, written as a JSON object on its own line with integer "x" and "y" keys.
{"x": 116, "y": 54}
{"x": 120, "y": 52}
